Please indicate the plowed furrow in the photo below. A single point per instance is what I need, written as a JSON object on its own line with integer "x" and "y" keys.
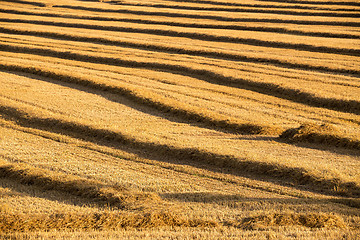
{"x": 265, "y": 88}
{"x": 87, "y": 132}
{"x": 342, "y": 3}
{"x": 300, "y": 5}
{"x": 153, "y": 81}
{"x": 181, "y": 21}
{"x": 178, "y": 119}
{"x": 196, "y": 48}
{"x": 211, "y": 121}
{"x": 205, "y": 37}
{"x": 38, "y": 4}
{"x": 181, "y": 50}
{"x": 94, "y": 191}
{"x": 211, "y": 17}
{"x": 275, "y": 110}
{"x": 193, "y": 25}
{"x": 249, "y": 10}
{"x": 109, "y": 163}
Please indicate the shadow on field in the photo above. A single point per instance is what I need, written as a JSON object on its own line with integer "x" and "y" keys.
{"x": 19, "y": 190}
{"x": 271, "y": 89}
{"x": 278, "y": 174}
{"x": 127, "y": 102}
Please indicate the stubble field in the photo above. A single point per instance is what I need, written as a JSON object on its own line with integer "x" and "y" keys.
{"x": 179, "y": 119}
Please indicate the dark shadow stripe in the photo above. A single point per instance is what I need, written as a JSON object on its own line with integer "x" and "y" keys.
{"x": 211, "y": 17}
{"x": 26, "y": 2}
{"x": 175, "y": 50}
{"x": 192, "y": 25}
{"x": 356, "y": 4}
{"x": 271, "y": 89}
{"x": 266, "y": 5}
{"x": 96, "y": 193}
{"x": 182, "y": 114}
{"x": 247, "y": 10}
{"x": 197, "y": 36}
{"x": 89, "y": 133}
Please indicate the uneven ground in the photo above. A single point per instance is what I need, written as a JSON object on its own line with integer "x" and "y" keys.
{"x": 179, "y": 119}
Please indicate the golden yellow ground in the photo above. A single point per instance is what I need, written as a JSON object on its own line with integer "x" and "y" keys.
{"x": 179, "y": 119}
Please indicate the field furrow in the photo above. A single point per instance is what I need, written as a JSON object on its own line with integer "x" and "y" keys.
{"x": 174, "y": 143}
{"x": 213, "y": 76}
{"x": 211, "y": 119}
{"x": 240, "y": 53}
{"x": 334, "y": 33}
{"x": 153, "y": 80}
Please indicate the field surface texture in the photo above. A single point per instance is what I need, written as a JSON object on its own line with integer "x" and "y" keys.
{"x": 179, "y": 119}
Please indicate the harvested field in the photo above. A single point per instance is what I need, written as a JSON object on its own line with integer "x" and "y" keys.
{"x": 179, "y": 119}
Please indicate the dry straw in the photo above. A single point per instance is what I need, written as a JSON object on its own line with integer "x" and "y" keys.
{"x": 310, "y": 220}
{"x": 154, "y": 211}
{"x": 189, "y": 24}
{"x": 176, "y": 108}
{"x": 197, "y": 36}
{"x": 96, "y": 221}
{"x": 321, "y": 134}
{"x": 275, "y": 170}
{"x": 98, "y": 193}
{"x": 296, "y": 95}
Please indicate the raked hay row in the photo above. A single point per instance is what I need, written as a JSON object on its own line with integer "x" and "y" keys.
{"x": 179, "y": 119}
